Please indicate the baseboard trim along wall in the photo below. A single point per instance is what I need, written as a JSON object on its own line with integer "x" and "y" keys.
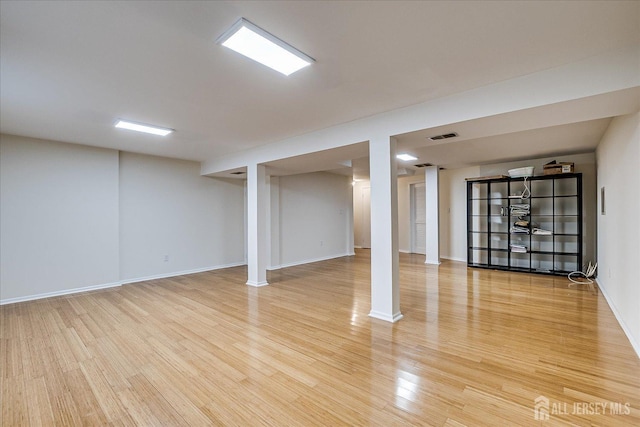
{"x": 181, "y": 273}
{"x": 626, "y": 331}
{"x": 114, "y": 284}
{"x": 308, "y": 261}
{"x": 441, "y": 257}
{"x": 453, "y": 259}
{"x": 59, "y": 293}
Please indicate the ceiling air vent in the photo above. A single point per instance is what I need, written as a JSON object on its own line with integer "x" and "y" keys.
{"x": 423, "y": 165}
{"x": 238, "y": 173}
{"x": 443, "y": 136}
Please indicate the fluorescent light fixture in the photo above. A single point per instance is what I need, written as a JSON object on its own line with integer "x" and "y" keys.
{"x": 139, "y": 127}
{"x": 253, "y": 42}
{"x": 406, "y": 157}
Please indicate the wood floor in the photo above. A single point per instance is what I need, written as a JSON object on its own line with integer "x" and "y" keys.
{"x": 475, "y": 347}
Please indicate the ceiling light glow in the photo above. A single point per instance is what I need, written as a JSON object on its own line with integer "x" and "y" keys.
{"x": 406, "y": 157}
{"x": 139, "y": 127}
{"x": 253, "y": 42}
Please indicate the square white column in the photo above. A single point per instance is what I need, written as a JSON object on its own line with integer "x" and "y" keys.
{"x": 432, "y": 229}
{"x": 257, "y": 229}
{"x": 385, "y": 275}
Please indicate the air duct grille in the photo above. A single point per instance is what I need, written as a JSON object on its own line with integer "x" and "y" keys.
{"x": 443, "y": 136}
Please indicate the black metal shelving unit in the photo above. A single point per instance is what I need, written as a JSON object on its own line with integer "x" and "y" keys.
{"x": 555, "y": 205}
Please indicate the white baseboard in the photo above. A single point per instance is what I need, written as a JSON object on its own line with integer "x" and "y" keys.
{"x": 59, "y": 293}
{"x": 624, "y": 327}
{"x": 180, "y": 273}
{"x": 257, "y": 284}
{"x": 386, "y": 317}
{"x": 454, "y": 259}
{"x": 112, "y": 285}
{"x": 308, "y": 261}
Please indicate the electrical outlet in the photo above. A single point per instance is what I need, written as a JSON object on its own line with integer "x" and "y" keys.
{"x": 166, "y": 258}
{"x": 321, "y": 243}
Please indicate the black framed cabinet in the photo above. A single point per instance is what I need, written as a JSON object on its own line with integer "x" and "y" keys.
{"x": 529, "y": 224}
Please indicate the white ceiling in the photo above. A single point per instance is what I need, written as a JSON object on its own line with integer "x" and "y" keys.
{"x": 69, "y": 69}
{"x": 550, "y": 141}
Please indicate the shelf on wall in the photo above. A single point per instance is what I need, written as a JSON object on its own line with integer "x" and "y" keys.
{"x": 557, "y": 206}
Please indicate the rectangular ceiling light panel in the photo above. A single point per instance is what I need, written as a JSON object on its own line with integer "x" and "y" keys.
{"x": 139, "y": 127}
{"x": 406, "y": 157}
{"x": 257, "y": 44}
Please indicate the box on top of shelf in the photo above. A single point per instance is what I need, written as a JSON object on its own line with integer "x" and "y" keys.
{"x": 553, "y": 168}
{"x": 526, "y": 171}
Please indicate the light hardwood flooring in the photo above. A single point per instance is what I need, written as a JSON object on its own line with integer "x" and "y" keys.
{"x": 475, "y": 347}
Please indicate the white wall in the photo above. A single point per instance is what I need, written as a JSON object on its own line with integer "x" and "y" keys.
{"x": 453, "y": 212}
{"x": 75, "y": 218}
{"x": 58, "y": 217}
{"x": 361, "y": 233}
{"x": 314, "y": 212}
{"x": 618, "y": 160}
{"x": 585, "y": 164}
{"x": 453, "y": 209}
{"x": 274, "y": 222}
{"x": 453, "y": 205}
{"x": 168, "y": 211}
{"x": 404, "y": 209}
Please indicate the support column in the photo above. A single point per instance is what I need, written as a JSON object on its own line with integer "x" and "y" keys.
{"x": 257, "y": 208}
{"x": 431, "y": 175}
{"x": 385, "y": 276}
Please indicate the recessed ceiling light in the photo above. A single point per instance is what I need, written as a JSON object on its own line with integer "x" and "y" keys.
{"x": 139, "y": 127}
{"x": 406, "y": 157}
{"x": 255, "y": 43}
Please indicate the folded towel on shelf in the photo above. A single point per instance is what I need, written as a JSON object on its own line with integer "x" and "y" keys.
{"x": 541, "y": 232}
{"x": 520, "y": 209}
